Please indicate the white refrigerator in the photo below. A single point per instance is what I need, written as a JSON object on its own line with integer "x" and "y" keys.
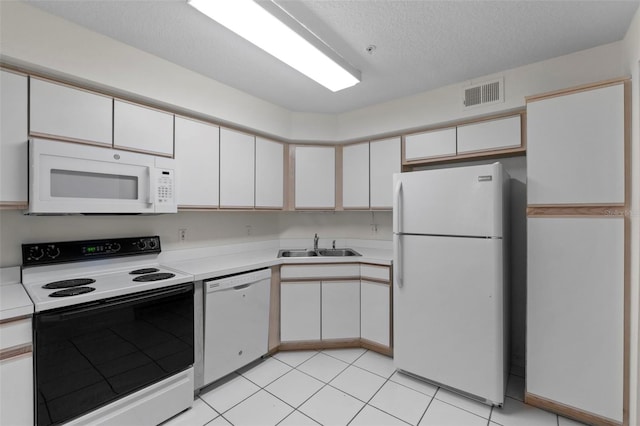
{"x": 450, "y": 294}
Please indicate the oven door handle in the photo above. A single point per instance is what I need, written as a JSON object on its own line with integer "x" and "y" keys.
{"x": 72, "y": 312}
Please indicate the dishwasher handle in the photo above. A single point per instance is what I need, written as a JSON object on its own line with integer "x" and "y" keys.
{"x": 237, "y": 281}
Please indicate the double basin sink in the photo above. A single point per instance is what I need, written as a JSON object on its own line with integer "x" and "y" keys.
{"x": 341, "y": 252}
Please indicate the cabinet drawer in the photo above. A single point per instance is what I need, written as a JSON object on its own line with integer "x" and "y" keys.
{"x": 438, "y": 143}
{"x": 320, "y": 271}
{"x": 15, "y": 333}
{"x": 374, "y": 272}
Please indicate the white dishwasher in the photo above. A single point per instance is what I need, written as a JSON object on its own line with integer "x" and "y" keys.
{"x": 236, "y": 322}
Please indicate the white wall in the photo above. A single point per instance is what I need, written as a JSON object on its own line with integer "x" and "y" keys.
{"x": 445, "y": 104}
{"x": 632, "y": 67}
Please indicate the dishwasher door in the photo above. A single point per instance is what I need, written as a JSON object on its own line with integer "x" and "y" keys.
{"x": 236, "y": 322}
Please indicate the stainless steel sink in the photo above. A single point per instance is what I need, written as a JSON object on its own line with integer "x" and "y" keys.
{"x": 338, "y": 252}
{"x": 320, "y": 252}
{"x": 297, "y": 253}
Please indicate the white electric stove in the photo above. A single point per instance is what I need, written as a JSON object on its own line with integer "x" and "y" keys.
{"x": 113, "y": 332}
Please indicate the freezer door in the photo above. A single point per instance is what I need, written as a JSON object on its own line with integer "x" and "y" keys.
{"x": 465, "y": 201}
{"x": 449, "y": 319}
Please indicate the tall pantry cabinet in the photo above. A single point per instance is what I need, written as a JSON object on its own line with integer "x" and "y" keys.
{"x": 577, "y": 254}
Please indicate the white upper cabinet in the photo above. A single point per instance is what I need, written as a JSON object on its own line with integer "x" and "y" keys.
{"x": 575, "y": 148}
{"x": 384, "y": 162}
{"x": 269, "y": 174}
{"x": 436, "y": 143}
{"x": 355, "y": 176}
{"x": 13, "y": 138}
{"x": 503, "y": 133}
{"x": 197, "y": 163}
{"x": 142, "y": 129}
{"x": 237, "y": 168}
{"x": 315, "y": 177}
{"x": 68, "y": 113}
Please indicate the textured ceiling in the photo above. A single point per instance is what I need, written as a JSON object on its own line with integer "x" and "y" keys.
{"x": 420, "y": 45}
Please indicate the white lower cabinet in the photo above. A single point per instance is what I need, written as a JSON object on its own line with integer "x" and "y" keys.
{"x": 325, "y": 302}
{"x": 375, "y": 312}
{"x": 16, "y": 373}
{"x": 340, "y": 309}
{"x": 16, "y": 401}
{"x": 300, "y": 311}
{"x": 575, "y": 313}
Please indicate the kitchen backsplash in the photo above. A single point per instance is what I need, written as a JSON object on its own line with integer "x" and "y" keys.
{"x": 202, "y": 228}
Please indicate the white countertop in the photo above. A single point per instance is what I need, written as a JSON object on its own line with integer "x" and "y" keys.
{"x": 14, "y": 301}
{"x": 217, "y": 266}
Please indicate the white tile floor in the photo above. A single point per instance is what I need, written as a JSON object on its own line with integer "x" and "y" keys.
{"x": 347, "y": 387}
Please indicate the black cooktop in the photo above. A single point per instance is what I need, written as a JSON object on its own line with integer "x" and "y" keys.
{"x": 76, "y": 282}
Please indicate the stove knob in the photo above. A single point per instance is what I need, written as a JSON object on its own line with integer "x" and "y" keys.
{"x": 53, "y": 251}
{"x": 115, "y": 247}
{"x": 153, "y": 244}
{"x": 36, "y": 253}
{"x": 142, "y": 244}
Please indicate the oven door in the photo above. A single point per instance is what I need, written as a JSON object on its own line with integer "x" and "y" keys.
{"x": 73, "y": 178}
{"x": 89, "y": 355}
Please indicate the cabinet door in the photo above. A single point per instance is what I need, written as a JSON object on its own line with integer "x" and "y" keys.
{"x": 384, "y": 162}
{"x": 575, "y": 148}
{"x": 490, "y": 135}
{"x": 237, "y": 156}
{"x": 437, "y": 143}
{"x": 197, "y": 163}
{"x": 269, "y": 174}
{"x": 13, "y": 139}
{"x": 340, "y": 309}
{"x": 355, "y": 176}
{"x": 300, "y": 311}
{"x": 375, "y": 314}
{"x": 575, "y": 306}
{"x": 142, "y": 129}
{"x": 66, "y": 112}
{"x": 315, "y": 177}
{"x": 16, "y": 392}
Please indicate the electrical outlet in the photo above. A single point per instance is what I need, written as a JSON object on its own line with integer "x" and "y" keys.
{"x": 374, "y": 228}
{"x": 182, "y": 235}
{"x": 248, "y": 227}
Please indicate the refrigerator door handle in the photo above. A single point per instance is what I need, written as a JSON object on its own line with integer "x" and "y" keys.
{"x": 397, "y": 247}
{"x": 397, "y": 207}
{"x": 397, "y": 260}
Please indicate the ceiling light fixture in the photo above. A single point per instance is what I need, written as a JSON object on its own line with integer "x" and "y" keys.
{"x": 276, "y": 32}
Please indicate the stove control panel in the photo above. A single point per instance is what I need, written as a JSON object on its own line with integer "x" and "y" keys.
{"x": 73, "y": 251}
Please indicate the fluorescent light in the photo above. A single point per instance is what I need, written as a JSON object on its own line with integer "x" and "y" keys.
{"x": 299, "y": 49}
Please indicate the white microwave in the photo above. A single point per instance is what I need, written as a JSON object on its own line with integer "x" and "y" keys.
{"x": 73, "y": 178}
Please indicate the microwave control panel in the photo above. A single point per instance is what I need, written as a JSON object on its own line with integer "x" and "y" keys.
{"x": 165, "y": 188}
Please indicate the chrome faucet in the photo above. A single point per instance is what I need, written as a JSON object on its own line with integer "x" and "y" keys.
{"x": 315, "y": 242}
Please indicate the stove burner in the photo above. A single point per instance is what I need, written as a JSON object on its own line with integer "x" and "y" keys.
{"x": 143, "y": 271}
{"x": 154, "y": 277}
{"x": 71, "y": 291}
{"x": 69, "y": 283}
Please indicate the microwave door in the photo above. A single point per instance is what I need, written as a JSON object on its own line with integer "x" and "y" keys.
{"x": 62, "y": 184}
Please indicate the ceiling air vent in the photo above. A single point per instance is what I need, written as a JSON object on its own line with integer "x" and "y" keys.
{"x": 486, "y": 93}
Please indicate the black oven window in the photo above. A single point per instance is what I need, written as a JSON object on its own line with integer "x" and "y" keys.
{"x": 88, "y": 356}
